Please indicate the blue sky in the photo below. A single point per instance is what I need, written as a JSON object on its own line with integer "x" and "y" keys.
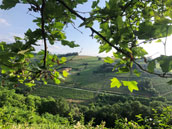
{"x": 16, "y": 21}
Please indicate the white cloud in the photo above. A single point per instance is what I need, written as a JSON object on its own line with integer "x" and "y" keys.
{"x": 4, "y": 22}
{"x": 6, "y": 38}
{"x": 9, "y": 38}
{"x": 156, "y": 49}
{"x": 16, "y": 34}
{"x": 54, "y": 49}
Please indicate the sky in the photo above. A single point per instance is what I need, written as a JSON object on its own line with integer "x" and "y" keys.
{"x": 16, "y": 21}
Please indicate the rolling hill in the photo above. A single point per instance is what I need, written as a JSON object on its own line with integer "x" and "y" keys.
{"x": 90, "y": 76}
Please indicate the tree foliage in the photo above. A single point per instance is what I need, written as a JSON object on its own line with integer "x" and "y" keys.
{"x": 17, "y": 59}
{"x": 123, "y": 25}
{"x": 34, "y": 110}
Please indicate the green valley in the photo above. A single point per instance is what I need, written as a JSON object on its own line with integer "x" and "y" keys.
{"x": 90, "y": 76}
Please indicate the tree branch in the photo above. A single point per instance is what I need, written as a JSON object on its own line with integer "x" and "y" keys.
{"x": 43, "y": 32}
{"x": 92, "y": 29}
{"x": 164, "y": 75}
{"x": 110, "y": 44}
{"x": 73, "y": 25}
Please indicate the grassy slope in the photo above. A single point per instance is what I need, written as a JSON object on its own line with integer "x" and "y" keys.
{"x": 97, "y": 82}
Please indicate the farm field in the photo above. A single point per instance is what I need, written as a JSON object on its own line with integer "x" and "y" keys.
{"x": 91, "y": 76}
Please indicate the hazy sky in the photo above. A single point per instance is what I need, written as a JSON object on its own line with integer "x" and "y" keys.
{"x": 16, "y": 21}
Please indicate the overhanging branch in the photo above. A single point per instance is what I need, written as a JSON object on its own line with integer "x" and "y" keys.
{"x": 110, "y": 44}
{"x": 92, "y": 29}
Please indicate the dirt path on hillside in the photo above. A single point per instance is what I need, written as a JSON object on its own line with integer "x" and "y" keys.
{"x": 97, "y": 92}
{"x": 166, "y": 93}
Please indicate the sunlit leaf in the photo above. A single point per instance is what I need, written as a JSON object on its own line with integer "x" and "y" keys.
{"x": 63, "y": 60}
{"x": 108, "y": 60}
{"x": 65, "y": 73}
{"x": 57, "y": 81}
{"x": 29, "y": 84}
{"x": 132, "y": 85}
{"x": 115, "y": 83}
{"x": 159, "y": 41}
{"x": 23, "y": 51}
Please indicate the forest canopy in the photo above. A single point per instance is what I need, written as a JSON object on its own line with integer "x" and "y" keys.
{"x": 124, "y": 25}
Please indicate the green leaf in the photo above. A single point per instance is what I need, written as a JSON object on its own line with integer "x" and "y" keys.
{"x": 65, "y": 73}
{"x": 140, "y": 118}
{"x": 95, "y": 3}
{"x": 165, "y": 63}
{"x": 1, "y": 47}
{"x": 68, "y": 43}
{"x": 23, "y": 51}
{"x": 30, "y": 84}
{"x": 119, "y": 22}
{"x": 132, "y": 85}
{"x": 17, "y": 38}
{"x": 108, "y": 60}
{"x": 7, "y": 4}
{"x": 3, "y": 71}
{"x": 56, "y": 74}
{"x": 57, "y": 81}
{"x": 137, "y": 73}
{"x": 21, "y": 81}
{"x": 104, "y": 47}
{"x": 151, "y": 66}
{"x": 127, "y": 49}
{"x": 63, "y": 60}
{"x": 87, "y": 23}
{"x": 170, "y": 82}
{"x": 123, "y": 70}
{"x": 45, "y": 82}
{"x": 115, "y": 83}
{"x": 158, "y": 41}
{"x": 58, "y": 25}
{"x": 117, "y": 55}
{"x": 139, "y": 51}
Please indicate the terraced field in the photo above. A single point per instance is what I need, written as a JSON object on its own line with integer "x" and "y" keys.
{"x": 91, "y": 76}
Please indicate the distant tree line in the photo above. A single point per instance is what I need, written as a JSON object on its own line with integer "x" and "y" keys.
{"x": 68, "y": 54}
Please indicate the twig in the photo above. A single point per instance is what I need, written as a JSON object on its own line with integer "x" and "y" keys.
{"x": 73, "y": 25}
{"x": 165, "y": 43}
{"x": 82, "y": 12}
{"x": 32, "y": 15}
{"x": 164, "y": 75}
{"x": 150, "y": 40}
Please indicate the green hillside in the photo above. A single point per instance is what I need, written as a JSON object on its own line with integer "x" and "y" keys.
{"x": 90, "y": 76}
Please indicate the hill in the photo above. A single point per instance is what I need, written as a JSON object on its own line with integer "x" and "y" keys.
{"x": 90, "y": 76}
